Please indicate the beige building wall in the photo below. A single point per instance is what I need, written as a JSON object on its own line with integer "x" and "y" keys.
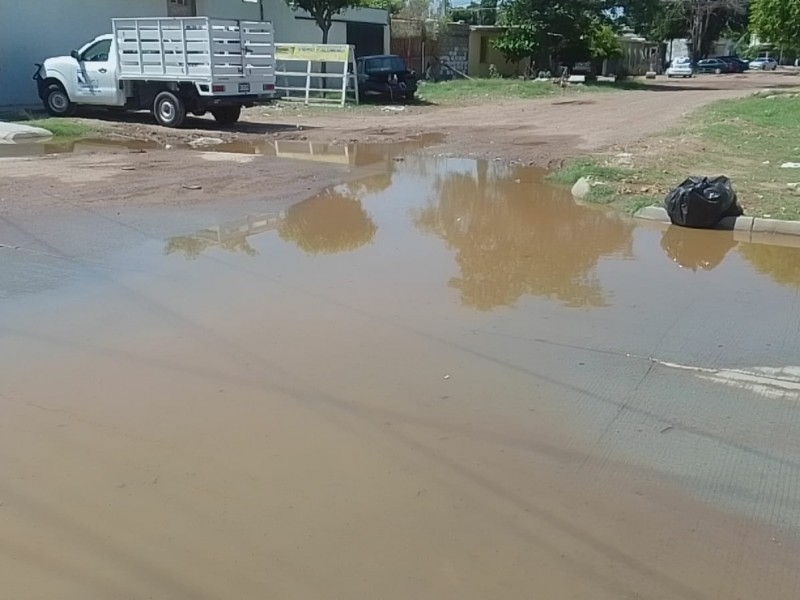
{"x": 482, "y": 54}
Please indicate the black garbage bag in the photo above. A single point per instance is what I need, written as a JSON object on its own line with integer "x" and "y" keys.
{"x": 702, "y": 202}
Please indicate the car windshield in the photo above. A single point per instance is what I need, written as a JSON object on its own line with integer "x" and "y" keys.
{"x": 385, "y": 63}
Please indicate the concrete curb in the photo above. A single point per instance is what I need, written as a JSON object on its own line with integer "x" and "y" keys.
{"x": 11, "y": 133}
{"x": 747, "y": 225}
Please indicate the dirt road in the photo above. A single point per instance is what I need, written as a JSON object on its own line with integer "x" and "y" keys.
{"x": 132, "y": 168}
{"x": 543, "y": 132}
{"x": 536, "y": 131}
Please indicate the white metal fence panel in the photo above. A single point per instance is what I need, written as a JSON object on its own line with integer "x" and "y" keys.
{"x": 305, "y": 70}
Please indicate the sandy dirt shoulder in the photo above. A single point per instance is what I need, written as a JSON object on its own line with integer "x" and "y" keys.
{"x": 537, "y": 132}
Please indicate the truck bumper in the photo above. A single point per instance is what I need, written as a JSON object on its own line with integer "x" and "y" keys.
{"x": 209, "y": 102}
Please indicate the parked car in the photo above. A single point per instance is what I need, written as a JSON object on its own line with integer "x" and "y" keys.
{"x": 145, "y": 65}
{"x": 736, "y": 66}
{"x": 386, "y": 75}
{"x": 681, "y": 67}
{"x": 764, "y": 64}
{"x": 715, "y": 65}
{"x": 745, "y": 65}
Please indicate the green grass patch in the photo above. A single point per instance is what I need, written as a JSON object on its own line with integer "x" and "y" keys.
{"x": 62, "y": 128}
{"x": 461, "y": 91}
{"x": 586, "y": 167}
{"x": 602, "y": 193}
{"x": 635, "y": 203}
{"x": 746, "y": 139}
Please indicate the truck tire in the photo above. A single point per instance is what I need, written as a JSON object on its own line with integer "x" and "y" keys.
{"x": 169, "y": 110}
{"x": 57, "y": 102}
{"x": 227, "y": 115}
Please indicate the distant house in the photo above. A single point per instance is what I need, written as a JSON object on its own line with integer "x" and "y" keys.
{"x": 637, "y": 55}
{"x": 32, "y": 30}
{"x": 482, "y": 53}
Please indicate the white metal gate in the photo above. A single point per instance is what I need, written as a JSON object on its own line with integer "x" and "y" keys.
{"x": 303, "y": 73}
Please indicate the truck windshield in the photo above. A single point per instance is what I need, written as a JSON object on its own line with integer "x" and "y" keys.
{"x": 385, "y": 63}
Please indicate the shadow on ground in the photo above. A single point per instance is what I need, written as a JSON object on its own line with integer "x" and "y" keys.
{"x": 192, "y": 122}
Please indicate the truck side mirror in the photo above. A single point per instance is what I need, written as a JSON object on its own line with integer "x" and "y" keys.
{"x": 75, "y": 54}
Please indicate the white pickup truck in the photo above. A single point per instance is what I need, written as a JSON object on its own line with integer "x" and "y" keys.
{"x": 171, "y": 66}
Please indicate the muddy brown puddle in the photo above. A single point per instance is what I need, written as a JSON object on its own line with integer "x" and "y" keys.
{"x": 441, "y": 380}
{"x": 346, "y": 154}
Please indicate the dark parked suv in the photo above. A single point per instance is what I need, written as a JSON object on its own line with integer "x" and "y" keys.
{"x": 386, "y": 75}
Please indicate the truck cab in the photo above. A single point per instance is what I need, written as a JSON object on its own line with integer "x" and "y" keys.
{"x": 87, "y": 76}
{"x": 170, "y": 66}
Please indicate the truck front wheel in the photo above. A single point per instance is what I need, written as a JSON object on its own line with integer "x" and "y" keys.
{"x": 57, "y": 102}
{"x": 169, "y": 110}
{"x": 227, "y": 115}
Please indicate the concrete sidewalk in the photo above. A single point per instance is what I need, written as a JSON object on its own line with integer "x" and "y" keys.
{"x": 11, "y": 133}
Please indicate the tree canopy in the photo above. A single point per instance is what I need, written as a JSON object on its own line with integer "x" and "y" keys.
{"x": 323, "y": 11}
{"x": 702, "y": 22}
{"x": 546, "y": 30}
{"x": 566, "y": 31}
{"x": 777, "y": 22}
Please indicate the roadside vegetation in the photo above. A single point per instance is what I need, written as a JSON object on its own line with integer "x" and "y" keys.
{"x": 60, "y": 128}
{"x": 464, "y": 91}
{"x": 748, "y": 140}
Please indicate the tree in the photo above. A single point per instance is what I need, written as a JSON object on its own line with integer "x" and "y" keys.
{"x": 701, "y": 21}
{"x": 330, "y": 222}
{"x": 487, "y": 14}
{"x": 507, "y": 247}
{"x": 777, "y": 22}
{"x": 464, "y": 14}
{"x": 393, "y": 6}
{"x": 550, "y": 31}
{"x": 779, "y": 262}
{"x": 477, "y": 13}
{"x": 604, "y": 42}
{"x": 655, "y": 19}
{"x": 707, "y": 19}
{"x": 323, "y": 11}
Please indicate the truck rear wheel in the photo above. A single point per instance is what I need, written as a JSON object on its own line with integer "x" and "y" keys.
{"x": 227, "y": 115}
{"x": 169, "y": 110}
{"x": 57, "y": 102}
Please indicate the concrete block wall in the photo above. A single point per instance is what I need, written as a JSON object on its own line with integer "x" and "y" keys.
{"x": 454, "y": 46}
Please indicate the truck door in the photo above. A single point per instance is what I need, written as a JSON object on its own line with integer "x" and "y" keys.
{"x": 97, "y": 78}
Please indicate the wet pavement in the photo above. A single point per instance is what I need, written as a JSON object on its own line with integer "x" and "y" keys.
{"x": 444, "y": 379}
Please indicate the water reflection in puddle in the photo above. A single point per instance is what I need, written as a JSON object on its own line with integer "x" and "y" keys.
{"x": 705, "y": 250}
{"x": 511, "y": 233}
{"x": 697, "y": 249}
{"x": 348, "y": 154}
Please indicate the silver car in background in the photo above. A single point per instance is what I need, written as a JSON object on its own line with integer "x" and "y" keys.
{"x": 764, "y": 64}
{"x": 680, "y": 67}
